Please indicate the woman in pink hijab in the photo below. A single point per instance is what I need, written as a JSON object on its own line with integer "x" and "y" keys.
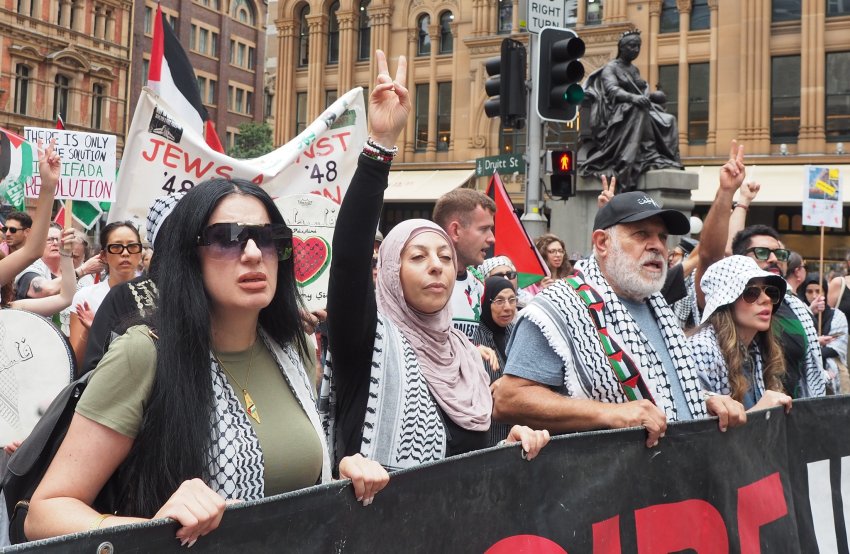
{"x": 404, "y": 386}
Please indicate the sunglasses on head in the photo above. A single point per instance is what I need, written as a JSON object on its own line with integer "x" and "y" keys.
{"x": 228, "y": 240}
{"x": 505, "y": 274}
{"x": 753, "y": 292}
{"x": 762, "y": 253}
{"x": 12, "y": 230}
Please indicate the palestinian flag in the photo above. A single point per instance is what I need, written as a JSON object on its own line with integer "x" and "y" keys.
{"x": 172, "y": 76}
{"x": 85, "y": 213}
{"x": 511, "y": 238}
{"x": 16, "y": 163}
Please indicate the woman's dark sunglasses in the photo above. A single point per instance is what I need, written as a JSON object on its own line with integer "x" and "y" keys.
{"x": 228, "y": 240}
{"x": 132, "y": 248}
{"x": 753, "y": 293}
{"x": 762, "y": 253}
{"x": 505, "y": 274}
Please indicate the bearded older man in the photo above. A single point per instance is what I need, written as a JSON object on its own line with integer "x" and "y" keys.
{"x": 603, "y": 350}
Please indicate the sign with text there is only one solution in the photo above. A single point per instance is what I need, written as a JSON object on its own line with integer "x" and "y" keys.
{"x": 504, "y": 164}
{"x": 545, "y": 13}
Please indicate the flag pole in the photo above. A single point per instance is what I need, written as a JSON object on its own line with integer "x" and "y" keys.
{"x": 821, "y": 276}
{"x": 68, "y": 219}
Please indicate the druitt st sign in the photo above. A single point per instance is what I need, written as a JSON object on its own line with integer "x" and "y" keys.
{"x": 504, "y": 164}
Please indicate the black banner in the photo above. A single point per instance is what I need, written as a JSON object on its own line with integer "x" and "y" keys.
{"x": 773, "y": 485}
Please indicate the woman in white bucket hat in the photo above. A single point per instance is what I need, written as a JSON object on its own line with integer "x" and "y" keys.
{"x": 735, "y": 349}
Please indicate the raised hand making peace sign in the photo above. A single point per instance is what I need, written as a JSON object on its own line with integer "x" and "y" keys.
{"x": 389, "y": 103}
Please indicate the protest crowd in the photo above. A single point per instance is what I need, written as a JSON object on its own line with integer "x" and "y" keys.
{"x": 204, "y": 387}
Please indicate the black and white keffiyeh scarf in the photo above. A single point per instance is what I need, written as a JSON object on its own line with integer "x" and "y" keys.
{"x": 686, "y": 309}
{"x": 813, "y": 383}
{"x": 236, "y": 459}
{"x": 712, "y": 370}
{"x": 402, "y": 427}
{"x": 563, "y": 319}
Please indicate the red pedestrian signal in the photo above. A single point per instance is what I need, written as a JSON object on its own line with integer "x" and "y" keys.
{"x": 562, "y": 162}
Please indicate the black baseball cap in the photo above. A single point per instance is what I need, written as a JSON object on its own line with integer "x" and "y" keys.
{"x": 628, "y": 207}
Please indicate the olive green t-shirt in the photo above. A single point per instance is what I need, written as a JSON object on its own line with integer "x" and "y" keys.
{"x": 118, "y": 392}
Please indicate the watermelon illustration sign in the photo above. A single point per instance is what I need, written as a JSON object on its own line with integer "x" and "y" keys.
{"x": 312, "y": 219}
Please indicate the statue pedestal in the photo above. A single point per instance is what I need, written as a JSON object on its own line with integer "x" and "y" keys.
{"x": 572, "y": 220}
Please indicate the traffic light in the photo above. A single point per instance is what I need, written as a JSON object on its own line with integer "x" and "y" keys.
{"x": 506, "y": 85}
{"x": 563, "y": 168}
{"x": 559, "y": 74}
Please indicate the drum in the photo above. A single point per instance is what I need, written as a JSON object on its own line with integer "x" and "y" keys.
{"x": 36, "y": 362}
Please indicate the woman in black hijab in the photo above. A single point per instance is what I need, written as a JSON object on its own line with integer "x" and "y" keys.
{"x": 498, "y": 310}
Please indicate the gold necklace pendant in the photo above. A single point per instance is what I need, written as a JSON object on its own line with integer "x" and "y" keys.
{"x": 250, "y": 407}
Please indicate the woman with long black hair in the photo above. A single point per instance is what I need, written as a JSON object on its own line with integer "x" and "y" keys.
{"x": 210, "y": 401}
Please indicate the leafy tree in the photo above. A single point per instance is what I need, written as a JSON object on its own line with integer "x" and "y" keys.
{"x": 254, "y": 140}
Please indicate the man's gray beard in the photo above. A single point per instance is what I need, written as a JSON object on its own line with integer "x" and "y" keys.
{"x": 624, "y": 274}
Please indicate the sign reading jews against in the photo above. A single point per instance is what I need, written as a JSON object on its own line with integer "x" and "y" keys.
{"x": 88, "y": 164}
{"x": 312, "y": 219}
{"x": 822, "y": 206}
{"x": 163, "y": 155}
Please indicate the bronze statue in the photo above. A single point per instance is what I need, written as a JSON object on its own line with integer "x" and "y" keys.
{"x": 630, "y": 131}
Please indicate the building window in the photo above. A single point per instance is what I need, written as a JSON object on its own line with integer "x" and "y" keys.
{"x": 444, "y": 116}
{"x": 512, "y": 141}
{"x": 300, "y": 112}
{"x": 203, "y": 40}
{"x": 698, "y": 103}
{"x": 303, "y": 37}
{"x": 837, "y": 96}
{"x": 330, "y": 97}
{"x": 785, "y": 10}
{"x": 421, "y": 130}
{"x": 240, "y": 99}
{"x": 784, "y": 99}
{"x": 424, "y": 46}
{"x": 668, "y": 82}
{"x": 22, "y": 88}
{"x": 61, "y": 93}
{"x": 146, "y": 69}
{"x": 446, "y": 38}
{"x": 333, "y": 34}
{"x": 364, "y": 34}
{"x": 230, "y": 138}
{"x": 243, "y": 12}
{"x": 207, "y": 86}
{"x": 593, "y": 12}
{"x": 26, "y": 7}
{"x": 242, "y": 55}
{"x": 149, "y": 20}
{"x": 700, "y": 15}
{"x": 268, "y": 103}
{"x": 506, "y": 16}
{"x": 212, "y": 4}
{"x": 837, "y": 7}
{"x": 97, "y": 95}
{"x": 669, "y": 17}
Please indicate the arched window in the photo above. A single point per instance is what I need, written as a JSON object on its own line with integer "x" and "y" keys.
{"x": 243, "y": 12}
{"x": 424, "y": 46}
{"x": 22, "y": 88}
{"x": 333, "y": 34}
{"x": 303, "y": 37}
{"x": 506, "y": 16}
{"x": 364, "y": 28}
{"x": 446, "y": 38}
{"x": 61, "y": 94}
{"x": 97, "y": 94}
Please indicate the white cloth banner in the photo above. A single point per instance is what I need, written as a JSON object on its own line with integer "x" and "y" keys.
{"x": 163, "y": 155}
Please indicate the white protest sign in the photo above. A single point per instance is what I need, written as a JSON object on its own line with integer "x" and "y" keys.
{"x": 88, "y": 164}
{"x": 822, "y": 205}
{"x": 312, "y": 219}
{"x": 163, "y": 155}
